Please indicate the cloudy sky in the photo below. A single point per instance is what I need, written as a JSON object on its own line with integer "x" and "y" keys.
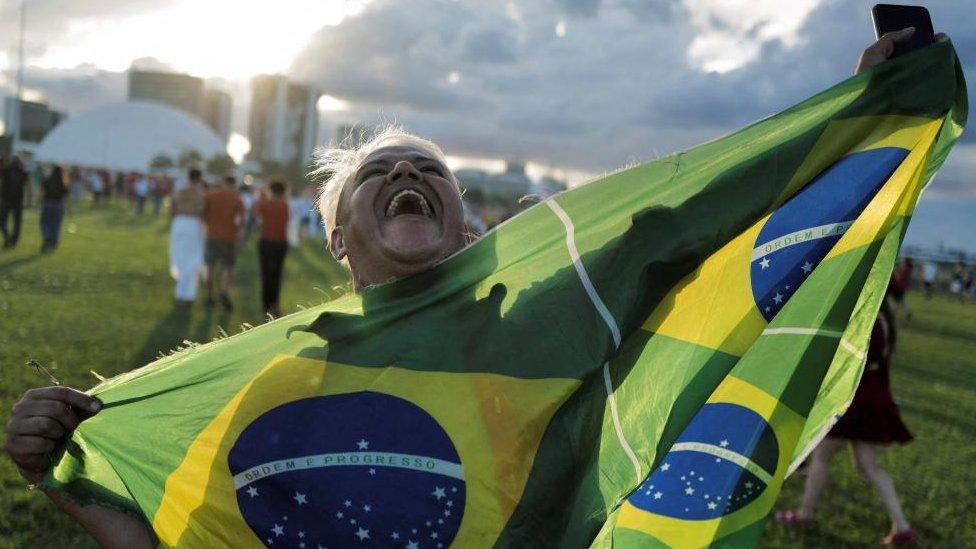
{"x": 579, "y": 85}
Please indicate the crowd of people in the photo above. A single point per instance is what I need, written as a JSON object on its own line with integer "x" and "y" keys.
{"x": 209, "y": 223}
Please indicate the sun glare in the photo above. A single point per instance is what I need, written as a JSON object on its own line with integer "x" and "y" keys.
{"x": 332, "y": 104}
{"x": 216, "y": 38}
{"x": 238, "y": 146}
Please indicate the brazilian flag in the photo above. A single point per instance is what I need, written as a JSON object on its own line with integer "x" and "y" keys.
{"x": 639, "y": 361}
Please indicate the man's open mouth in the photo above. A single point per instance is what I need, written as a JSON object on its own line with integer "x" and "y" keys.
{"x": 409, "y": 202}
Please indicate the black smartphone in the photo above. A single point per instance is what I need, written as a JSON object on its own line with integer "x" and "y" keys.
{"x": 889, "y": 18}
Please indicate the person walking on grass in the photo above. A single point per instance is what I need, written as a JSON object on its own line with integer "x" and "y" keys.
{"x": 224, "y": 214}
{"x": 13, "y": 185}
{"x": 272, "y": 209}
{"x": 53, "y": 192}
{"x": 97, "y": 187}
{"x": 159, "y": 188}
{"x": 871, "y": 421}
{"x": 141, "y": 190}
{"x": 186, "y": 236}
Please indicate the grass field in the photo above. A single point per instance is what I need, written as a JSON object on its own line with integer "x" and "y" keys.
{"x": 103, "y": 302}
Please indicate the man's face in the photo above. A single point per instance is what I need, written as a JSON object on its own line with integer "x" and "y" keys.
{"x": 401, "y": 214}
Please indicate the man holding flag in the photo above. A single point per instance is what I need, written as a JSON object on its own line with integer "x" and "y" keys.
{"x": 640, "y": 360}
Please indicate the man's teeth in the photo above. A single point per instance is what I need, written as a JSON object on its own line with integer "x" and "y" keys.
{"x": 408, "y": 194}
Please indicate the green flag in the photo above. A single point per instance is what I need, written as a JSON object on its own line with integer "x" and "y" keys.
{"x": 640, "y": 360}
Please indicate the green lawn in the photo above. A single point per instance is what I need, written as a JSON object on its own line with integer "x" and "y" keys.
{"x": 103, "y": 302}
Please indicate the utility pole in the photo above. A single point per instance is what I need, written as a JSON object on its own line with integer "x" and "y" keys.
{"x": 20, "y": 79}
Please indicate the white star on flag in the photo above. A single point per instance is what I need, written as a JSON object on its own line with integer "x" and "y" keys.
{"x": 372, "y": 471}
{"x": 807, "y": 267}
{"x": 252, "y": 491}
{"x": 712, "y": 505}
{"x": 724, "y": 443}
{"x": 363, "y": 444}
{"x": 347, "y": 503}
{"x": 362, "y": 534}
{"x": 689, "y": 490}
{"x": 764, "y": 263}
{"x": 300, "y": 498}
{"x": 666, "y": 466}
{"x": 301, "y": 534}
{"x": 778, "y": 298}
{"x": 395, "y": 535}
{"x": 367, "y": 508}
{"x": 657, "y": 495}
{"x": 412, "y": 545}
{"x": 278, "y": 530}
{"x": 438, "y": 493}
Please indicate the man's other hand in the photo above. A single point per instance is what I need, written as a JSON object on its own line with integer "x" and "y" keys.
{"x": 881, "y": 50}
{"x": 40, "y": 421}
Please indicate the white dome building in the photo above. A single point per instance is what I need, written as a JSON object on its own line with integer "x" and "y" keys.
{"x": 126, "y": 136}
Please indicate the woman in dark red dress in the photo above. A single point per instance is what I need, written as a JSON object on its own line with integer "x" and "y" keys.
{"x": 871, "y": 420}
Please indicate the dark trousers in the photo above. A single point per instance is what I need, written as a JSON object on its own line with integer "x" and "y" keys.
{"x": 8, "y": 207}
{"x": 52, "y": 213}
{"x": 271, "y": 255}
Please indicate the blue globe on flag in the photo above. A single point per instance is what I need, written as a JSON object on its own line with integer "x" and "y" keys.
{"x": 354, "y": 470}
{"x": 802, "y": 231}
{"x": 722, "y": 461}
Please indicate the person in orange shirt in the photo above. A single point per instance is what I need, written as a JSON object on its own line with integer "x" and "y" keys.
{"x": 272, "y": 209}
{"x": 223, "y": 211}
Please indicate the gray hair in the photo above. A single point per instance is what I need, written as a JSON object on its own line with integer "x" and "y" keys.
{"x": 338, "y": 163}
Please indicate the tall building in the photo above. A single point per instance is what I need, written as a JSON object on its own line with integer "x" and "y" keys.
{"x": 284, "y": 120}
{"x": 35, "y": 121}
{"x": 181, "y": 91}
{"x": 217, "y": 107}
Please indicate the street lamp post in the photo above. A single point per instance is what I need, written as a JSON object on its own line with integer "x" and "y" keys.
{"x": 16, "y": 114}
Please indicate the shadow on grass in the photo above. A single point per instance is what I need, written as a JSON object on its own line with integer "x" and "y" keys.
{"x": 964, "y": 424}
{"x": 168, "y": 333}
{"x": 176, "y": 328}
{"x": 11, "y": 265}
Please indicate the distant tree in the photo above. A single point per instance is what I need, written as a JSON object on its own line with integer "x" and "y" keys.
{"x": 161, "y": 162}
{"x": 220, "y": 164}
{"x": 189, "y": 158}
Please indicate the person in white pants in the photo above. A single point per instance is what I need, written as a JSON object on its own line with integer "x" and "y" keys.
{"x": 186, "y": 240}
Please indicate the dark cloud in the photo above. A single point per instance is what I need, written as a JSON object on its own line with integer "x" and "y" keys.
{"x": 616, "y": 87}
{"x": 489, "y": 44}
{"x": 580, "y": 8}
{"x": 393, "y": 57}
